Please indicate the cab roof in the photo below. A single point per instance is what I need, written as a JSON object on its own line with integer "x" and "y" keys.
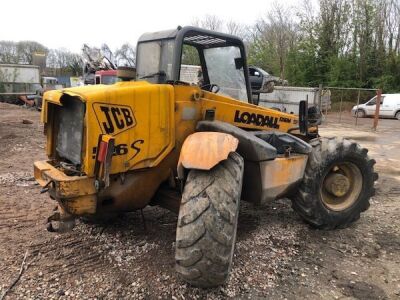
{"x": 194, "y": 36}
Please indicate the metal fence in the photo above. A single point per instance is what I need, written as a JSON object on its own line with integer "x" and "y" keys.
{"x": 287, "y": 98}
{"x": 338, "y": 104}
{"x": 346, "y": 106}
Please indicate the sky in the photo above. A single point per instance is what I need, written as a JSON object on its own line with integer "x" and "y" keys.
{"x": 71, "y": 23}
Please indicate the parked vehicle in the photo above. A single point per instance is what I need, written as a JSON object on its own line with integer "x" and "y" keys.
{"x": 48, "y": 84}
{"x": 287, "y": 98}
{"x": 106, "y": 77}
{"x": 194, "y": 149}
{"x": 97, "y": 59}
{"x": 389, "y": 108}
{"x": 262, "y": 81}
{"x": 18, "y": 80}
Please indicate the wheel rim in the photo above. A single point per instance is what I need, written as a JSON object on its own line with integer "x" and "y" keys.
{"x": 341, "y": 186}
{"x": 360, "y": 114}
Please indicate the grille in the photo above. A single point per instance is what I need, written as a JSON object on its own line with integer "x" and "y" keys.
{"x": 69, "y": 137}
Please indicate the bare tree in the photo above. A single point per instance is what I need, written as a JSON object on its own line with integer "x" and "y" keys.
{"x": 276, "y": 35}
{"x": 237, "y": 29}
{"x": 75, "y": 64}
{"x": 63, "y": 62}
{"x": 8, "y": 52}
{"x": 26, "y": 49}
{"x": 126, "y": 55}
{"x": 210, "y": 22}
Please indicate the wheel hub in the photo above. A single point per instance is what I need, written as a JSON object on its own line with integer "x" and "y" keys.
{"x": 337, "y": 184}
{"x": 341, "y": 186}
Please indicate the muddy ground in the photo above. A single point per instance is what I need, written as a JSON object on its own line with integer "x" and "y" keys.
{"x": 277, "y": 256}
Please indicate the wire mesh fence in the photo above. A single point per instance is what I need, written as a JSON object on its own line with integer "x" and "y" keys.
{"x": 287, "y": 98}
{"x": 352, "y": 106}
{"x": 339, "y": 105}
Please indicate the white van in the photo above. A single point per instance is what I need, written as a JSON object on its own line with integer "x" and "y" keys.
{"x": 389, "y": 108}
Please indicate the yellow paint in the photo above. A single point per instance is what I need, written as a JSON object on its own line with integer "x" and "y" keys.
{"x": 150, "y": 123}
{"x": 75, "y": 194}
{"x": 66, "y": 186}
{"x": 158, "y": 119}
{"x": 225, "y": 110}
{"x": 80, "y": 205}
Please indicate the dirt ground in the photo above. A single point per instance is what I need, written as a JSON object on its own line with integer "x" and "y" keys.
{"x": 277, "y": 255}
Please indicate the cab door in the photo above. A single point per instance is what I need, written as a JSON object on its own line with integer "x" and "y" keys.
{"x": 256, "y": 79}
{"x": 370, "y": 106}
{"x": 387, "y": 107}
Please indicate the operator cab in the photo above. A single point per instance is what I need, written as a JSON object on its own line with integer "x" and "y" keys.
{"x": 189, "y": 55}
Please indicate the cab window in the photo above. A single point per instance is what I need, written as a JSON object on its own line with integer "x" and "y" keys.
{"x": 373, "y": 101}
{"x": 225, "y": 69}
{"x": 190, "y": 71}
{"x": 154, "y": 61}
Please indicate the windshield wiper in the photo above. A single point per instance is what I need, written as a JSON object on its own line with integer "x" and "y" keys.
{"x": 160, "y": 73}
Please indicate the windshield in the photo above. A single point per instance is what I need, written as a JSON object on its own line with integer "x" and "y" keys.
{"x": 108, "y": 79}
{"x": 222, "y": 70}
{"x": 154, "y": 61}
{"x": 373, "y": 101}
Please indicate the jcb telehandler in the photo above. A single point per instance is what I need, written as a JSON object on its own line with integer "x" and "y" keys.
{"x": 197, "y": 149}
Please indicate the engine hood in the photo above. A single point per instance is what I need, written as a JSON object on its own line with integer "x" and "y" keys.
{"x": 135, "y": 114}
{"x": 89, "y": 93}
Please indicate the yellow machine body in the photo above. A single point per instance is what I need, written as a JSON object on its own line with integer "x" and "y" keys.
{"x": 148, "y": 123}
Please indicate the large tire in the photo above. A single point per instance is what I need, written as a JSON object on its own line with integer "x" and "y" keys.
{"x": 207, "y": 223}
{"x": 333, "y": 156}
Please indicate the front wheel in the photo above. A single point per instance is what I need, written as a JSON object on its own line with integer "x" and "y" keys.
{"x": 337, "y": 184}
{"x": 207, "y": 223}
{"x": 397, "y": 115}
{"x": 360, "y": 113}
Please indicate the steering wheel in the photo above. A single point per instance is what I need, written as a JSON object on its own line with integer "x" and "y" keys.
{"x": 211, "y": 87}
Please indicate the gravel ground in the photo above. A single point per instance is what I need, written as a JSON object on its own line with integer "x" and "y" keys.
{"x": 277, "y": 255}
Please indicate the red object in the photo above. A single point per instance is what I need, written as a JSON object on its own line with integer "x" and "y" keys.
{"x": 107, "y": 72}
{"x": 102, "y": 154}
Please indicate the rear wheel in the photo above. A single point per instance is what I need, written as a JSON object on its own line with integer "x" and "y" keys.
{"x": 337, "y": 184}
{"x": 397, "y": 115}
{"x": 207, "y": 223}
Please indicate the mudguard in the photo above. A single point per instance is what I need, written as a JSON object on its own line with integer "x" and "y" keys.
{"x": 251, "y": 147}
{"x": 204, "y": 150}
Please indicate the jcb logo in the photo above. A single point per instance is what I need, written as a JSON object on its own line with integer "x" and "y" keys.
{"x": 113, "y": 119}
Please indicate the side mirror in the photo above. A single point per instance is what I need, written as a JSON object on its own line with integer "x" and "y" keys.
{"x": 303, "y": 117}
{"x": 238, "y": 63}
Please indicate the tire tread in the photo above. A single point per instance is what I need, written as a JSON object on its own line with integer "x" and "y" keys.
{"x": 206, "y": 233}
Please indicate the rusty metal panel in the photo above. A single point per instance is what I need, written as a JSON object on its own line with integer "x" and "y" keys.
{"x": 204, "y": 150}
{"x": 278, "y": 176}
